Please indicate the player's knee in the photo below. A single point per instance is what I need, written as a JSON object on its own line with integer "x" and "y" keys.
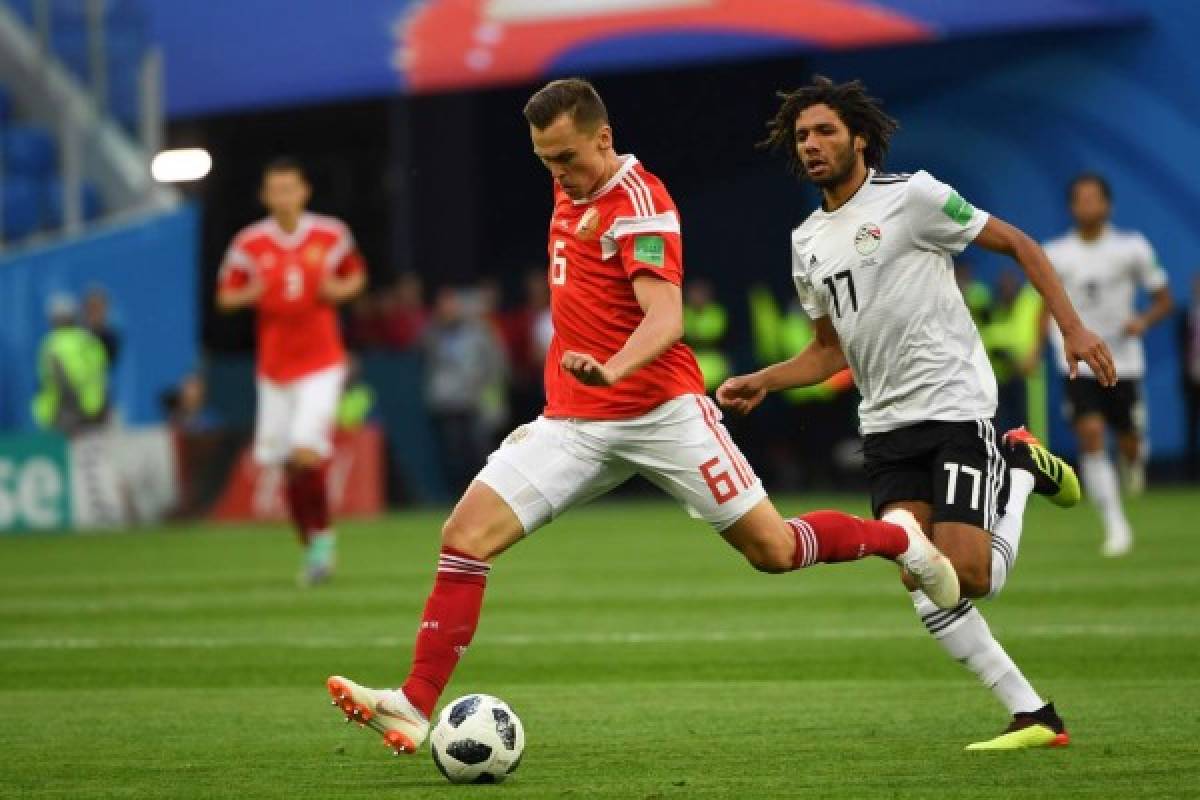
{"x": 467, "y": 538}
{"x": 768, "y": 557}
{"x": 304, "y": 458}
{"x": 1091, "y": 435}
{"x": 1131, "y": 445}
{"x": 974, "y": 579}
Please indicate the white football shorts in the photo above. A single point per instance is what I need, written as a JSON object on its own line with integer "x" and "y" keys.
{"x": 297, "y": 414}
{"x": 549, "y": 465}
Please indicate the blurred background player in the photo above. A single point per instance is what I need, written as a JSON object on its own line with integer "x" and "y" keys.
{"x": 873, "y": 267}
{"x": 294, "y": 268}
{"x": 624, "y": 396}
{"x": 1102, "y": 268}
{"x": 464, "y": 361}
{"x": 1189, "y": 335}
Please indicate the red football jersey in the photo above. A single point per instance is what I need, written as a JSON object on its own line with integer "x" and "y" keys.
{"x": 297, "y": 330}
{"x": 597, "y": 246}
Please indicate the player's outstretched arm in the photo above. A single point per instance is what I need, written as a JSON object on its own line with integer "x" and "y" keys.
{"x": 822, "y": 359}
{"x": 1034, "y": 359}
{"x": 661, "y": 327}
{"x": 235, "y": 298}
{"x": 1161, "y": 306}
{"x": 1079, "y": 343}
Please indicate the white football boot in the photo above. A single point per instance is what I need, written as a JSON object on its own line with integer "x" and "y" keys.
{"x": 385, "y": 711}
{"x": 932, "y": 570}
{"x": 1118, "y": 537}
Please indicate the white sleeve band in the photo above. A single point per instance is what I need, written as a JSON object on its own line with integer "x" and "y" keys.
{"x": 666, "y": 222}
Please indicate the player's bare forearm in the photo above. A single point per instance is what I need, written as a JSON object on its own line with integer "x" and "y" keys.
{"x": 337, "y": 290}
{"x": 230, "y": 300}
{"x": 1034, "y": 359}
{"x": 1161, "y": 306}
{"x": 820, "y": 361}
{"x": 661, "y": 327}
{"x": 1079, "y": 343}
{"x": 1001, "y": 237}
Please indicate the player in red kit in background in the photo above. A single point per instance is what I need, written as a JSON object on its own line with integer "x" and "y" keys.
{"x": 294, "y": 268}
{"x": 623, "y": 397}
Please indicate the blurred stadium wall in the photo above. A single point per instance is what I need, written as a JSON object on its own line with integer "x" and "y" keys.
{"x": 419, "y": 144}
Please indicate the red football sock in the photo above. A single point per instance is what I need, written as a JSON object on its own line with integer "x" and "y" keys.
{"x": 294, "y": 494}
{"x": 830, "y": 536}
{"x": 451, "y": 615}
{"x": 317, "y": 498}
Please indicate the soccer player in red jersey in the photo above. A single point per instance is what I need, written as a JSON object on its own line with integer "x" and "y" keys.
{"x": 624, "y": 397}
{"x": 294, "y": 268}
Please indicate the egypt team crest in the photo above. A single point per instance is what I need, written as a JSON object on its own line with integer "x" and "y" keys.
{"x": 866, "y": 241}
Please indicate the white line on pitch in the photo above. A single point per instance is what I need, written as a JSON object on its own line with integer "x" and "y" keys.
{"x": 611, "y": 638}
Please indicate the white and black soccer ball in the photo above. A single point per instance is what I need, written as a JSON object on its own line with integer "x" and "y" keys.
{"x": 477, "y": 739}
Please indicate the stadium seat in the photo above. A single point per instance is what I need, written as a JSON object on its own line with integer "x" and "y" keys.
{"x": 70, "y": 41}
{"x": 22, "y": 8}
{"x": 22, "y": 207}
{"x": 29, "y": 151}
{"x": 54, "y": 203}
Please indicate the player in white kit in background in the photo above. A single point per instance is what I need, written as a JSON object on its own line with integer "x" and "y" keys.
{"x": 873, "y": 267}
{"x": 1102, "y": 268}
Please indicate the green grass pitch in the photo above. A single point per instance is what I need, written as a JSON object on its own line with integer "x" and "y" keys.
{"x": 645, "y": 658}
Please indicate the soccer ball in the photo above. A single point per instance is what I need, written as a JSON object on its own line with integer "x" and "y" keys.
{"x": 477, "y": 739}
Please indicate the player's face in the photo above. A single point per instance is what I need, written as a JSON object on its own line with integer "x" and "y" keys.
{"x": 285, "y": 194}
{"x": 1089, "y": 206}
{"x": 577, "y": 159}
{"x": 825, "y": 146}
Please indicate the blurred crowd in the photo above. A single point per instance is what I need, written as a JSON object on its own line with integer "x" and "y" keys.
{"x": 482, "y": 358}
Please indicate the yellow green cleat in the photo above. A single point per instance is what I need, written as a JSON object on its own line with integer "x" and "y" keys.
{"x": 1052, "y": 476}
{"x": 1041, "y": 728}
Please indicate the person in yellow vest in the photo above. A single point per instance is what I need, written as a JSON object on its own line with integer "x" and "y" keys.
{"x": 705, "y": 324}
{"x": 976, "y": 293}
{"x": 1001, "y": 337}
{"x": 358, "y": 398}
{"x": 780, "y": 335}
{"x": 813, "y": 422}
{"x": 73, "y": 370}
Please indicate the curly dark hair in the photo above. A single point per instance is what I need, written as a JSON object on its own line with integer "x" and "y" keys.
{"x": 860, "y": 112}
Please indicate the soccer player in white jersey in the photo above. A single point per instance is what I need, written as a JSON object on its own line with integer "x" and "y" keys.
{"x": 1102, "y": 267}
{"x": 873, "y": 268}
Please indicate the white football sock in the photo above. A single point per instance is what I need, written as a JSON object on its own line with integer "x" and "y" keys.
{"x": 1100, "y": 483}
{"x": 965, "y": 635}
{"x": 1006, "y": 538}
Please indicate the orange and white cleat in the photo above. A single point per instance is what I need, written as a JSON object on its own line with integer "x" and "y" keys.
{"x": 931, "y": 569}
{"x": 385, "y": 711}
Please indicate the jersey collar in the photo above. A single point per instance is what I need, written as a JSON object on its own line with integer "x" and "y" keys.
{"x": 628, "y": 162}
{"x": 1105, "y": 232}
{"x": 853, "y": 198}
{"x": 289, "y": 240}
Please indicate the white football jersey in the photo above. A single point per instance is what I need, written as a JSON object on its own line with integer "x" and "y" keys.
{"x": 1101, "y": 278}
{"x": 880, "y": 268}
